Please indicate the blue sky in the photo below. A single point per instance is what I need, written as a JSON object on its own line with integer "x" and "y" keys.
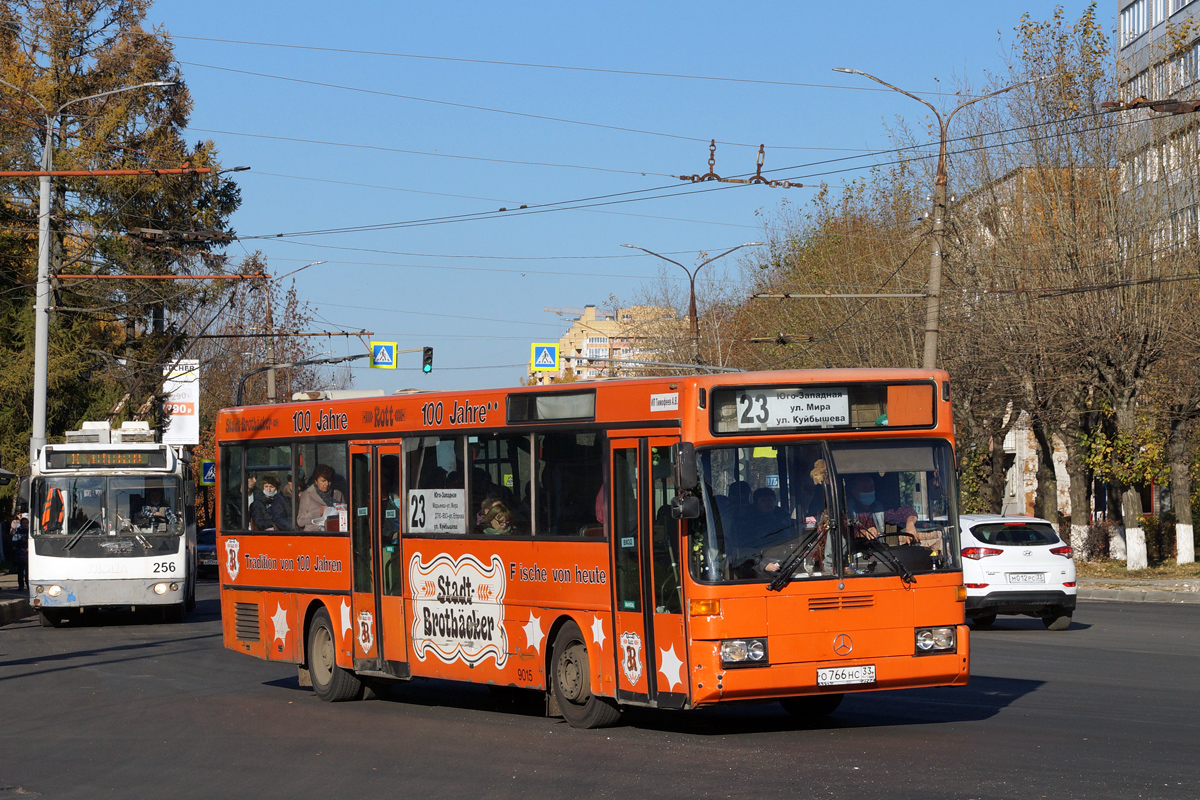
{"x": 343, "y": 127}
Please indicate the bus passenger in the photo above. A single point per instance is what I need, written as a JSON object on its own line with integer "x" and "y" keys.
{"x": 871, "y": 516}
{"x": 318, "y": 501}
{"x": 498, "y": 521}
{"x": 271, "y": 510}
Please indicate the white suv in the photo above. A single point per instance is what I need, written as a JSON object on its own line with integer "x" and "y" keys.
{"x": 1016, "y": 565}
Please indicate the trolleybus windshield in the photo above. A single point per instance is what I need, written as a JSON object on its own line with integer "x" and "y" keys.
{"x": 93, "y": 505}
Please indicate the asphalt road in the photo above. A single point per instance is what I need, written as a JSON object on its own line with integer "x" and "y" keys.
{"x": 1106, "y": 709}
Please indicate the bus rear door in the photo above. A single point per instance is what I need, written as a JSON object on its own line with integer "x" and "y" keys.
{"x": 651, "y": 648}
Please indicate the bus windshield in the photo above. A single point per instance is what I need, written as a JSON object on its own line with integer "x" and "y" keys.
{"x": 767, "y": 509}
{"x": 94, "y": 505}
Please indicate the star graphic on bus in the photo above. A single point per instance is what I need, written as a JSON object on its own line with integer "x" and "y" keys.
{"x": 598, "y": 632}
{"x": 345, "y": 618}
{"x": 279, "y": 620}
{"x": 533, "y": 632}
{"x": 670, "y": 667}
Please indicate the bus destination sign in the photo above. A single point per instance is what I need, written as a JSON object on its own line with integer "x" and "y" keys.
{"x": 760, "y": 409}
{"x": 112, "y": 459}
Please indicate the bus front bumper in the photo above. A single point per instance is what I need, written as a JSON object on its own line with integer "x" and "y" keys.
{"x": 108, "y": 592}
{"x": 786, "y": 680}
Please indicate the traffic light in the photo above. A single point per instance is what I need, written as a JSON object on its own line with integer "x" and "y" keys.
{"x": 426, "y": 359}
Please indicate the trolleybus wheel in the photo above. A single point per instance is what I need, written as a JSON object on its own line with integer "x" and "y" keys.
{"x": 813, "y": 706}
{"x": 330, "y": 682}
{"x": 571, "y": 683}
{"x": 50, "y": 619}
{"x": 191, "y": 596}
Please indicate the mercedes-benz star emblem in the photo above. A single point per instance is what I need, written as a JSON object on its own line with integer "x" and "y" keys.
{"x": 843, "y": 644}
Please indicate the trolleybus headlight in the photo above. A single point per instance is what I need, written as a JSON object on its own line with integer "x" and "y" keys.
{"x": 53, "y": 591}
{"x": 174, "y": 587}
{"x": 936, "y": 640}
{"x": 39, "y": 590}
{"x": 744, "y": 652}
{"x": 160, "y": 588}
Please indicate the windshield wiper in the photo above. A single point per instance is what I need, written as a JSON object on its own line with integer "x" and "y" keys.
{"x": 787, "y": 568}
{"x": 880, "y": 550}
{"x": 74, "y": 539}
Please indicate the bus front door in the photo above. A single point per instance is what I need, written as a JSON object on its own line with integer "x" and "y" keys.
{"x": 380, "y": 639}
{"x": 650, "y": 645}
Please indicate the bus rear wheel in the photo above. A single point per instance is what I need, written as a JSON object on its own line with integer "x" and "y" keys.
{"x": 813, "y": 706}
{"x": 570, "y": 679}
{"x": 330, "y": 682}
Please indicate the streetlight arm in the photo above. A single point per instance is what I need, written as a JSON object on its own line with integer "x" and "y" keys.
{"x": 893, "y": 88}
{"x": 150, "y": 85}
{"x": 658, "y": 255}
{"x": 730, "y": 250}
{"x": 966, "y": 103}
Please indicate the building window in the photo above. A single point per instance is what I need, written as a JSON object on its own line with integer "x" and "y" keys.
{"x": 1134, "y": 21}
{"x": 597, "y": 340}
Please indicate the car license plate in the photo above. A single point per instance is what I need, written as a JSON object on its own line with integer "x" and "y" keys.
{"x": 1026, "y": 577}
{"x": 836, "y": 676}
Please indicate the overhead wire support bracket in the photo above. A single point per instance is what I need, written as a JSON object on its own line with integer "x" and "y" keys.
{"x": 758, "y": 178}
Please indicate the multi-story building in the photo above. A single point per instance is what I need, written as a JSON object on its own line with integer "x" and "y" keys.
{"x": 1158, "y": 59}
{"x": 619, "y": 333}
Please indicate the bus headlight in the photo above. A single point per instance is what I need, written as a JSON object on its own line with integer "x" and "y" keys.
{"x": 744, "y": 653}
{"x": 54, "y": 591}
{"x": 160, "y": 588}
{"x": 936, "y": 640}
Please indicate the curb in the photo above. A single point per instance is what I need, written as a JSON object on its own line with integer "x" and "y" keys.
{"x": 1139, "y": 596}
{"x": 13, "y": 610}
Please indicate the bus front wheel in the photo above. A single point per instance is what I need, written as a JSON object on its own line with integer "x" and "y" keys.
{"x": 330, "y": 682}
{"x": 571, "y": 683}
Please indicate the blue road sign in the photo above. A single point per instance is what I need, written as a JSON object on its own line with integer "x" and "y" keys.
{"x": 544, "y": 357}
{"x": 208, "y": 473}
{"x": 383, "y": 355}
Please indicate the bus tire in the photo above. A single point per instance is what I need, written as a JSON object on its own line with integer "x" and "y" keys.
{"x": 813, "y": 706}
{"x": 570, "y": 678}
{"x": 50, "y": 619}
{"x": 330, "y": 682}
{"x": 190, "y": 604}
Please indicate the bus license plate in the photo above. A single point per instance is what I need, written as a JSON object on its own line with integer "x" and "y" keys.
{"x": 836, "y": 676}
{"x": 1026, "y": 577}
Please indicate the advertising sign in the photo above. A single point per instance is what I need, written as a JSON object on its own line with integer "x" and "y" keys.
{"x": 181, "y": 388}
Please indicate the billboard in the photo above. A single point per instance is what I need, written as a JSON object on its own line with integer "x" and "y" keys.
{"x": 181, "y": 390}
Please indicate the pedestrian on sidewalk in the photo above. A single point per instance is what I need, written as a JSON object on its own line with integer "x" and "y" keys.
{"x": 20, "y": 541}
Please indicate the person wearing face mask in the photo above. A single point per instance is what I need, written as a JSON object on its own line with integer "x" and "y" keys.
{"x": 270, "y": 510}
{"x": 861, "y": 503}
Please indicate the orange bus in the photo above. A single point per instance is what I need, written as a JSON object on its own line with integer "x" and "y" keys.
{"x": 667, "y": 542}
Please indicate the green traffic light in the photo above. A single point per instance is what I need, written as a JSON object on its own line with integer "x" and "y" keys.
{"x": 427, "y": 359}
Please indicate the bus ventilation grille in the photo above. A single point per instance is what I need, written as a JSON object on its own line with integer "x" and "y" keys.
{"x": 838, "y": 602}
{"x": 245, "y": 618}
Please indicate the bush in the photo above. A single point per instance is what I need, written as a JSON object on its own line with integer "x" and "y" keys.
{"x": 1095, "y": 545}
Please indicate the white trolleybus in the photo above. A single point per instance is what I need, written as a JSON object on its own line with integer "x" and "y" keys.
{"x": 114, "y": 525}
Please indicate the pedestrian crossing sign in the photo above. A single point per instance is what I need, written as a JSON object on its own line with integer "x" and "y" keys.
{"x": 543, "y": 357}
{"x": 208, "y": 473}
{"x": 383, "y": 355}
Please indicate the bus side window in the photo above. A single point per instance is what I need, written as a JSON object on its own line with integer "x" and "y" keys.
{"x": 500, "y": 472}
{"x": 434, "y": 462}
{"x": 569, "y": 473}
{"x": 233, "y": 503}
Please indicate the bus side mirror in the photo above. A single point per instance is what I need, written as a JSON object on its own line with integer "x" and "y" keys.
{"x": 685, "y": 507}
{"x": 686, "y": 477}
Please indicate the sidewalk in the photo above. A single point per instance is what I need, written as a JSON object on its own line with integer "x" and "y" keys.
{"x": 14, "y": 605}
{"x": 1140, "y": 591}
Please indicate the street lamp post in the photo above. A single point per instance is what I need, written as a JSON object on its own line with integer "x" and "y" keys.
{"x": 692, "y": 273}
{"x": 41, "y": 336}
{"x": 933, "y": 299}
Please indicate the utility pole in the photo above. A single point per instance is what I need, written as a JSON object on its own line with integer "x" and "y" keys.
{"x": 41, "y": 341}
{"x": 934, "y": 290}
